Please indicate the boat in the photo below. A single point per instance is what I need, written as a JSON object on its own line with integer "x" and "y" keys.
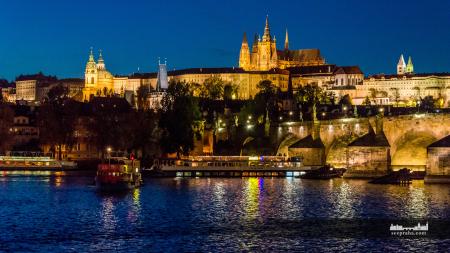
{"x": 226, "y": 166}
{"x": 33, "y": 161}
{"x": 402, "y": 176}
{"x": 118, "y": 174}
{"x": 325, "y": 172}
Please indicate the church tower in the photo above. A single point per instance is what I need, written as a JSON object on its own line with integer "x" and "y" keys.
{"x": 401, "y": 66}
{"x": 286, "y": 41}
{"x": 90, "y": 77}
{"x": 267, "y": 50}
{"x": 410, "y": 66}
{"x": 244, "y": 55}
{"x": 101, "y": 62}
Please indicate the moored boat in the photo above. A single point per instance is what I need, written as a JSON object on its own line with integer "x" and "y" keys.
{"x": 325, "y": 172}
{"x": 118, "y": 174}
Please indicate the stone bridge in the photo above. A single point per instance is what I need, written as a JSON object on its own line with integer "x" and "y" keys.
{"x": 408, "y": 136}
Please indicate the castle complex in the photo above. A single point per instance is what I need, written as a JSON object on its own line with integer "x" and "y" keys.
{"x": 264, "y": 61}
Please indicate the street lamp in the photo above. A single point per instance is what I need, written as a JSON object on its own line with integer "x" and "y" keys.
{"x": 109, "y": 155}
{"x": 345, "y": 111}
{"x": 323, "y": 115}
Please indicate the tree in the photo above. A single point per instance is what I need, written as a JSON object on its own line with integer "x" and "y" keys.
{"x": 142, "y": 94}
{"x": 346, "y": 100}
{"x": 312, "y": 95}
{"x": 373, "y": 94}
{"x": 109, "y": 124}
{"x": 180, "y": 115}
{"x": 213, "y": 88}
{"x": 229, "y": 91}
{"x": 144, "y": 134}
{"x": 427, "y": 103}
{"x": 265, "y": 100}
{"x": 366, "y": 101}
{"x": 6, "y": 124}
{"x": 395, "y": 95}
{"x": 417, "y": 89}
{"x": 56, "y": 121}
{"x": 57, "y": 94}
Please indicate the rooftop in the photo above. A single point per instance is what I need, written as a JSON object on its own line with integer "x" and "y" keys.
{"x": 371, "y": 140}
{"x": 308, "y": 142}
{"x": 442, "y": 143}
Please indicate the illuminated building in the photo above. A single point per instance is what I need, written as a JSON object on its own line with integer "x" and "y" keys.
{"x": 264, "y": 54}
{"x": 33, "y": 88}
{"x": 162, "y": 83}
{"x": 98, "y": 81}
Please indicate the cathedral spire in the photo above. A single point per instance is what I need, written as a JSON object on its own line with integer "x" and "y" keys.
{"x": 266, "y": 36}
{"x": 244, "y": 54}
{"x": 244, "y": 40}
{"x": 410, "y": 66}
{"x": 401, "y": 66}
{"x": 91, "y": 56}
{"x": 286, "y": 41}
{"x": 101, "y": 62}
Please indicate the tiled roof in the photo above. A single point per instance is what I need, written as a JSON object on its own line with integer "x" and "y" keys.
{"x": 308, "y": 142}
{"x": 371, "y": 140}
{"x": 348, "y": 70}
{"x": 318, "y": 69}
{"x": 442, "y": 143}
{"x": 302, "y": 55}
{"x": 391, "y": 76}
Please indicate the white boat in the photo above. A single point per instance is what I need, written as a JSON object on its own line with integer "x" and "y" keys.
{"x": 226, "y": 166}
{"x": 33, "y": 161}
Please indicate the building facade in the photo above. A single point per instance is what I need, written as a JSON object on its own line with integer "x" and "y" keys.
{"x": 98, "y": 80}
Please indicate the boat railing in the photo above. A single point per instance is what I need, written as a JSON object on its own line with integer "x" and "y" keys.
{"x": 226, "y": 163}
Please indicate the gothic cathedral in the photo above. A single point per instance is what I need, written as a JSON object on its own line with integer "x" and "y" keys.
{"x": 265, "y": 55}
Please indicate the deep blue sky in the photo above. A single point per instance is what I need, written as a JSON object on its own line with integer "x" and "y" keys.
{"x": 55, "y": 36}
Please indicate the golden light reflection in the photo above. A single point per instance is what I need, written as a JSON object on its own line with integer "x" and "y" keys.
{"x": 59, "y": 178}
{"x": 417, "y": 202}
{"x": 137, "y": 197}
{"x": 134, "y": 212}
{"x": 252, "y": 197}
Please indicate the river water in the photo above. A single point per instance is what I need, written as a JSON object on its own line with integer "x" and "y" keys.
{"x": 60, "y": 212}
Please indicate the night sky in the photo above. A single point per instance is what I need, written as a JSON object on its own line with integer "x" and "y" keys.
{"x": 55, "y": 36}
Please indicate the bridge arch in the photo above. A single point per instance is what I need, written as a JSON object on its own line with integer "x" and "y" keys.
{"x": 410, "y": 149}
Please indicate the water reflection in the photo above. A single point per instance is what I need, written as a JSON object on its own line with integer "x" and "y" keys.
{"x": 195, "y": 214}
{"x": 107, "y": 214}
{"x": 345, "y": 201}
{"x": 417, "y": 201}
{"x": 251, "y": 197}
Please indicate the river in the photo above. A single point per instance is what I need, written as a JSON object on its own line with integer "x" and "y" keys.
{"x": 63, "y": 212}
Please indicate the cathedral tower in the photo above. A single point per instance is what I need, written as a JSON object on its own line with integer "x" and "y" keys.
{"x": 267, "y": 50}
{"x": 286, "y": 41}
{"x": 244, "y": 55}
{"x": 401, "y": 66}
{"x": 90, "y": 77}
{"x": 90, "y": 74}
{"x": 101, "y": 62}
{"x": 410, "y": 66}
